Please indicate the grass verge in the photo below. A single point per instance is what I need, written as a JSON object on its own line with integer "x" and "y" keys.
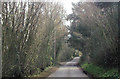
{"x": 98, "y": 71}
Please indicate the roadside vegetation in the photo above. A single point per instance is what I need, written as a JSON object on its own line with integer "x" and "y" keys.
{"x": 45, "y": 73}
{"x": 33, "y": 37}
{"x": 99, "y": 71}
{"x": 94, "y": 32}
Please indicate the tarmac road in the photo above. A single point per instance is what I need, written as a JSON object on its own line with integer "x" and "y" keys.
{"x": 70, "y": 69}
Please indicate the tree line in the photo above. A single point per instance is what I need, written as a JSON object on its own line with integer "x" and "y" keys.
{"x": 95, "y": 32}
{"x": 32, "y": 37}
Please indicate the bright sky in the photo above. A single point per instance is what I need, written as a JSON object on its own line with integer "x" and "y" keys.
{"x": 68, "y": 4}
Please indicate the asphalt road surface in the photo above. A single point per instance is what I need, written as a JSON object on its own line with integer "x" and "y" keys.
{"x": 70, "y": 69}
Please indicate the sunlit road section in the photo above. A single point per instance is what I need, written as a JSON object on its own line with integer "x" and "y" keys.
{"x": 70, "y": 69}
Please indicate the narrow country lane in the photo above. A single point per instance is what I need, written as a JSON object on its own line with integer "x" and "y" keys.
{"x": 70, "y": 69}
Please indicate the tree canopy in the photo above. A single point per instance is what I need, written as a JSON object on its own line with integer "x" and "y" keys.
{"x": 94, "y": 31}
